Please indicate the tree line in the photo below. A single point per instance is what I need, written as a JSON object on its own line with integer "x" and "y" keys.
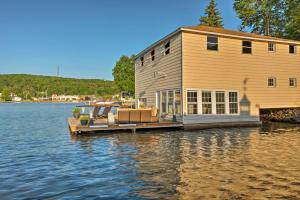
{"x": 29, "y": 86}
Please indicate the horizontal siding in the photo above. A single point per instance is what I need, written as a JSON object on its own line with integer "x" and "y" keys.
{"x": 229, "y": 69}
{"x": 146, "y": 84}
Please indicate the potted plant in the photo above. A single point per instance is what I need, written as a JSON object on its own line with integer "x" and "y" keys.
{"x": 76, "y": 112}
{"x": 84, "y": 120}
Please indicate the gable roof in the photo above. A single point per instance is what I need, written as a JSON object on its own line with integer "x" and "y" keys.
{"x": 222, "y": 32}
{"x": 217, "y": 30}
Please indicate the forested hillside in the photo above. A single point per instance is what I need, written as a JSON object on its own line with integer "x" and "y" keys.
{"x": 37, "y": 86}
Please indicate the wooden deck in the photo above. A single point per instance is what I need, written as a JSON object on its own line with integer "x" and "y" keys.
{"x": 77, "y": 128}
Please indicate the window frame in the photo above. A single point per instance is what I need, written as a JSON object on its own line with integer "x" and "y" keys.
{"x": 152, "y": 55}
{"x": 192, "y": 103}
{"x": 212, "y": 43}
{"x": 274, "y": 82}
{"x": 294, "y": 49}
{"x": 142, "y": 60}
{"x": 203, "y": 103}
{"x": 295, "y": 82}
{"x": 220, "y": 103}
{"x": 167, "y": 47}
{"x": 246, "y": 47}
{"x": 272, "y": 48}
{"x": 233, "y": 102}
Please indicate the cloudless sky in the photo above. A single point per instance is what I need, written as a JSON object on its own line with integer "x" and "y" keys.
{"x": 86, "y": 37}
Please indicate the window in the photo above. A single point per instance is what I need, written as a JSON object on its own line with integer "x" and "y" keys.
{"x": 142, "y": 61}
{"x": 164, "y": 102}
{"x": 247, "y": 47}
{"x": 177, "y": 102}
{"x": 192, "y": 102}
{"x": 153, "y": 55}
{"x": 271, "y": 47}
{"x": 170, "y": 101}
{"x": 143, "y": 102}
{"x": 271, "y": 82}
{"x": 292, "y": 49}
{"x": 167, "y": 48}
{"x": 206, "y": 102}
{"x": 233, "y": 103}
{"x": 220, "y": 102}
{"x": 212, "y": 43}
{"x": 293, "y": 82}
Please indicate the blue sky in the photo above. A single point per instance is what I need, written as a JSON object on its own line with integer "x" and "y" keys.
{"x": 86, "y": 37}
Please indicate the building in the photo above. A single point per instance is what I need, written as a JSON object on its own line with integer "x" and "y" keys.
{"x": 16, "y": 99}
{"x": 64, "y": 98}
{"x": 212, "y": 75}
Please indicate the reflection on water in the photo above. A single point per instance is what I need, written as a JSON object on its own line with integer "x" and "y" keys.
{"x": 237, "y": 163}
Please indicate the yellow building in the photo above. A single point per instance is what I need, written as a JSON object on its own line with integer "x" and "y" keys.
{"x": 214, "y": 75}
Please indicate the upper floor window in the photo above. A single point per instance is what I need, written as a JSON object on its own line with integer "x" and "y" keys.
{"x": 212, "y": 43}
{"x": 167, "y": 48}
{"x": 292, "y": 49}
{"x": 142, "y": 61}
{"x": 293, "y": 82}
{"x": 271, "y": 47}
{"x": 247, "y": 47}
{"x": 271, "y": 82}
{"x": 153, "y": 55}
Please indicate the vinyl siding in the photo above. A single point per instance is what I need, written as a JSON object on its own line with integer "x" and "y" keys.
{"x": 229, "y": 69}
{"x": 147, "y": 84}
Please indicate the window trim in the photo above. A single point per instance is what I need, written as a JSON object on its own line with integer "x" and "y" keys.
{"x": 207, "y": 42}
{"x": 243, "y": 47}
{"x": 295, "y": 81}
{"x": 274, "y": 82}
{"x": 273, "y": 47}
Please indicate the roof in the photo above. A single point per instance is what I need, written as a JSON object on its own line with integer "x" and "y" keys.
{"x": 219, "y": 31}
{"x": 211, "y": 29}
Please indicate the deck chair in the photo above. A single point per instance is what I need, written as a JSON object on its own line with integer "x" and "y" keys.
{"x": 96, "y": 111}
{"x": 105, "y": 112}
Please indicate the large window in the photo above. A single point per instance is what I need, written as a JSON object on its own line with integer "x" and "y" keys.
{"x": 220, "y": 102}
{"x": 167, "y": 48}
{"x": 233, "y": 103}
{"x": 164, "y": 102}
{"x": 177, "y": 102}
{"x": 247, "y": 47}
{"x": 192, "y": 102}
{"x": 170, "y": 101}
{"x": 206, "y": 102}
{"x": 292, "y": 49}
{"x": 212, "y": 43}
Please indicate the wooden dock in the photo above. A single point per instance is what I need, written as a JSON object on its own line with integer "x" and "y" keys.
{"x": 77, "y": 128}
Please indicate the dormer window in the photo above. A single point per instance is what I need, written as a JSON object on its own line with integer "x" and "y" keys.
{"x": 292, "y": 49}
{"x": 212, "y": 43}
{"x": 167, "y": 48}
{"x": 247, "y": 47}
{"x": 153, "y": 55}
{"x": 142, "y": 61}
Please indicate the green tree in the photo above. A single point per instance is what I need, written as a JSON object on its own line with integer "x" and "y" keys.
{"x": 266, "y": 17}
{"x": 123, "y": 73}
{"x": 5, "y": 95}
{"x": 212, "y": 16}
{"x": 293, "y": 20}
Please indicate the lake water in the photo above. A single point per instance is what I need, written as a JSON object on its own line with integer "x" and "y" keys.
{"x": 40, "y": 160}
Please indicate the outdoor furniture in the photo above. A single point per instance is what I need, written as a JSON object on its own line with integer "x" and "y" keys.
{"x": 148, "y": 115}
{"x": 123, "y": 116}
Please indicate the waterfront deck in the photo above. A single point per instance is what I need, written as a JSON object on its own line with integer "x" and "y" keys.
{"x": 77, "y": 128}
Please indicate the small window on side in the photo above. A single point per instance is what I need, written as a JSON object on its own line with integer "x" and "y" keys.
{"x": 271, "y": 47}
{"x": 247, "y": 47}
{"x": 271, "y": 82}
{"x": 293, "y": 82}
{"x": 167, "y": 48}
{"x": 142, "y": 61}
{"x": 153, "y": 55}
{"x": 212, "y": 43}
{"x": 292, "y": 49}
